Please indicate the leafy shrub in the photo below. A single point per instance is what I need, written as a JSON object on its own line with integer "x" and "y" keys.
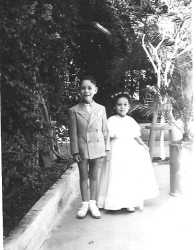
{"x": 38, "y": 52}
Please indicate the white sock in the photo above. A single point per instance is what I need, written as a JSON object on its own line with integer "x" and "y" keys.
{"x": 85, "y": 203}
{"x": 92, "y": 202}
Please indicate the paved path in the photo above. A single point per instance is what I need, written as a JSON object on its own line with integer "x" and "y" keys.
{"x": 165, "y": 224}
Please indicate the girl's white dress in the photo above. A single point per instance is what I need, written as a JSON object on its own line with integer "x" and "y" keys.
{"x": 128, "y": 178}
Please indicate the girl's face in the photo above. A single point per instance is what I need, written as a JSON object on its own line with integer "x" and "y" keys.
{"x": 87, "y": 91}
{"x": 122, "y": 106}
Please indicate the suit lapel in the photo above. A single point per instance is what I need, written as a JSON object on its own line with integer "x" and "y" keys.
{"x": 83, "y": 112}
{"x": 94, "y": 113}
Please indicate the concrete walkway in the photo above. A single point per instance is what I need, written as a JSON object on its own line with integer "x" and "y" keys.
{"x": 167, "y": 223}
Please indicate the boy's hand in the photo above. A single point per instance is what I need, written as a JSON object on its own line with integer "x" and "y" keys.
{"x": 77, "y": 158}
{"x": 108, "y": 155}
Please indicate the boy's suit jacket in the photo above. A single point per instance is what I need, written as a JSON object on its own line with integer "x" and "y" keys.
{"x": 88, "y": 132}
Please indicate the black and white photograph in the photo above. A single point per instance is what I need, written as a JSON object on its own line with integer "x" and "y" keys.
{"x": 98, "y": 125}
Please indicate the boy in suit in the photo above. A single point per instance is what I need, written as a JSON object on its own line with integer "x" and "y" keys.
{"x": 89, "y": 143}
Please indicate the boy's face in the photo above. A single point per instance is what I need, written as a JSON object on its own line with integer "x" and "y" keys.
{"x": 122, "y": 106}
{"x": 87, "y": 91}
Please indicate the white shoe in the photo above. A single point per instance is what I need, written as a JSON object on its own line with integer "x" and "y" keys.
{"x": 94, "y": 209}
{"x": 130, "y": 209}
{"x": 82, "y": 212}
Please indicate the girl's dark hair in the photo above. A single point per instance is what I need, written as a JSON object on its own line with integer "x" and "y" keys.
{"x": 120, "y": 95}
{"x": 90, "y": 78}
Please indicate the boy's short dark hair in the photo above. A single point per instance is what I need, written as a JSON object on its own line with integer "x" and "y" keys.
{"x": 90, "y": 78}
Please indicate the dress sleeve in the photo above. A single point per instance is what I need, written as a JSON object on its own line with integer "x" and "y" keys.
{"x": 111, "y": 127}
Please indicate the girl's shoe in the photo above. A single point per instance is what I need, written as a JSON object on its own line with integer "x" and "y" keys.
{"x": 130, "y": 209}
{"x": 82, "y": 212}
{"x": 94, "y": 210}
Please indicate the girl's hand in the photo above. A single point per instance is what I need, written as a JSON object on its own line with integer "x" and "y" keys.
{"x": 146, "y": 147}
{"x": 112, "y": 137}
{"x": 169, "y": 115}
{"x": 77, "y": 158}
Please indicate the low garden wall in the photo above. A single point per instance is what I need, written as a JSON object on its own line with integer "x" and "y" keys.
{"x": 39, "y": 221}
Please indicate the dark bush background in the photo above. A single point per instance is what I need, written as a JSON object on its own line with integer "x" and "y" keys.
{"x": 45, "y": 48}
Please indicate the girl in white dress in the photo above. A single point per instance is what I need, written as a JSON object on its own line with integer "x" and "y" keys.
{"x": 128, "y": 178}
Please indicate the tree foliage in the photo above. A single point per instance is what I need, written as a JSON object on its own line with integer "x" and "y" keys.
{"x": 163, "y": 30}
{"x": 38, "y": 52}
{"x": 46, "y": 47}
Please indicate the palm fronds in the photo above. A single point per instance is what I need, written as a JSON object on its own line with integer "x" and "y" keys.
{"x": 146, "y": 109}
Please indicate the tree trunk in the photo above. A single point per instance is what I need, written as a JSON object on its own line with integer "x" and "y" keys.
{"x": 152, "y": 135}
{"x": 162, "y": 140}
{"x": 49, "y": 156}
